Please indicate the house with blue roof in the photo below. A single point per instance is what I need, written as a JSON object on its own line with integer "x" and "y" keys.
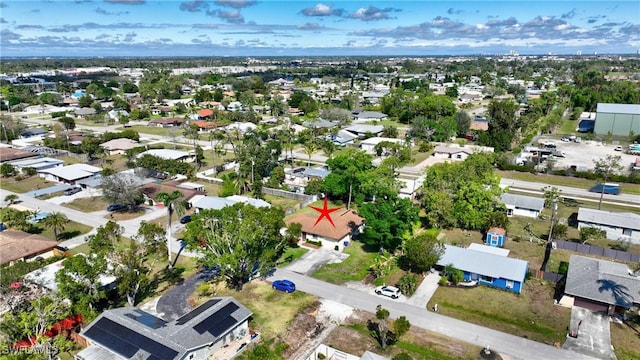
{"x": 486, "y": 265}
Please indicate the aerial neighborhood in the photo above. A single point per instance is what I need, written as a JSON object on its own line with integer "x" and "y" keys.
{"x": 320, "y": 208}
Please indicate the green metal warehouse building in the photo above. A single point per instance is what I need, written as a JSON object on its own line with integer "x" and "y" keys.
{"x": 619, "y": 119}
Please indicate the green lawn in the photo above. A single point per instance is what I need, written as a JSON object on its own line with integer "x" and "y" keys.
{"x": 282, "y": 202}
{"x": 90, "y": 204}
{"x": 531, "y": 314}
{"x": 353, "y": 268}
{"x": 24, "y": 185}
{"x": 625, "y": 188}
{"x": 273, "y": 311}
{"x": 418, "y": 157}
{"x": 291, "y": 254}
{"x": 71, "y": 230}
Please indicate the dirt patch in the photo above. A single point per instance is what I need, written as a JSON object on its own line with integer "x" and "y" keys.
{"x": 303, "y": 330}
{"x": 353, "y": 338}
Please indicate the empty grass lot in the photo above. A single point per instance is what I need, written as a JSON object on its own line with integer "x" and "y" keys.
{"x": 531, "y": 314}
{"x": 281, "y": 202}
{"x": 353, "y": 268}
{"x": 88, "y": 204}
{"x": 272, "y": 310}
{"x": 24, "y": 185}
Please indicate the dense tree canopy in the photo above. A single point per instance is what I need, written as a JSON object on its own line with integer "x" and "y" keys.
{"x": 463, "y": 194}
{"x": 241, "y": 239}
{"x": 388, "y": 221}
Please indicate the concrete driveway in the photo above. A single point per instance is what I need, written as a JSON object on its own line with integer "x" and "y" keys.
{"x": 425, "y": 291}
{"x": 314, "y": 259}
{"x": 594, "y": 337}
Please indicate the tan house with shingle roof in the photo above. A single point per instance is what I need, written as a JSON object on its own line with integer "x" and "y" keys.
{"x": 348, "y": 224}
{"x": 16, "y": 245}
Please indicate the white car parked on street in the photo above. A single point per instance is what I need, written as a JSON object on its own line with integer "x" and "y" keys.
{"x": 390, "y": 291}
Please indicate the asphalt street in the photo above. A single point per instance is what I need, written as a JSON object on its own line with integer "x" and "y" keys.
{"x": 511, "y": 345}
{"x": 623, "y": 199}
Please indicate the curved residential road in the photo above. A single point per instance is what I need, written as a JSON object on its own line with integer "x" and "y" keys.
{"x": 507, "y": 344}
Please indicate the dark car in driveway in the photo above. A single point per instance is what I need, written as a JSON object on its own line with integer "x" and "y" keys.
{"x": 116, "y": 207}
{"x": 284, "y": 285}
{"x": 185, "y": 219}
{"x": 73, "y": 190}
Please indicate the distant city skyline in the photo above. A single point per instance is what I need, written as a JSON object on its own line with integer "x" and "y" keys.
{"x": 314, "y": 28}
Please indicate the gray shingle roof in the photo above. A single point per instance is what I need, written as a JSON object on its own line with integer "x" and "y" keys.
{"x": 484, "y": 263}
{"x": 625, "y": 220}
{"x": 150, "y": 334}
{"x": 364, "y": 128}
{"x": 602, "y": 281}
{"x": 522, "y": 201}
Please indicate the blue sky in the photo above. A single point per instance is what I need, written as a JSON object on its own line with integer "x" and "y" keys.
{"x": 299, "y": 28}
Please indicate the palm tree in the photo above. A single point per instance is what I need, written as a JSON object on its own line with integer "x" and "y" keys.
{"x": 10, "y": 199}
{"x": 173, "y": 203}
{"x": 55, "y": 221}
{"x": 309, "y": 148}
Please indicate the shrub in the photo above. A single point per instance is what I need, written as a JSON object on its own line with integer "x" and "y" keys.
{"x": 402, "y": 356}
{"x": 29, "y": 171}
{"x": 204, "y": 289}
{"x": 456, "y": 276}
{"x": 408, "y": 283}
{"x": 314, "y": 242}
{"x": 443, "y": 281}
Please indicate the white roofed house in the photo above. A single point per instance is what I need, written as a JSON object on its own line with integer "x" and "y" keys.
{"x": 362, "y": 130}
{"x": 616, "y": 225}
{"x": 41, "y": 163}
{"x": 70, "y": 174}
{"x": 365, "y": 116}
{"x": 521, "y": 205}
{"x": 369, "y": 145}
{"x": 217, "y": 203}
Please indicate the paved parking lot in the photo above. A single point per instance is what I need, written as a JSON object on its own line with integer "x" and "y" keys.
{"x": 583, "y": 154}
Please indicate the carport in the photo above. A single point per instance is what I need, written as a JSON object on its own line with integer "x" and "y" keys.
{"x": 49, "y": 190}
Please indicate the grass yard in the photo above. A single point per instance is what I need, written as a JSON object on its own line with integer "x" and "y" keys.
{"x": 291, "y": 254}
{"x": 273, "y": 311}
{"x": 625, "y": 339}
{"x": 282, "y": 202}
{"x": 25, "y": 185}
{"x": 88, "y": 204}
{"x": 625, "y": 188}
{"x": 71, "y": 230}
{"x": 530, "y": 315}
{"x": 568, "y": 127}
{"x": 353, "y": 268}
{"x": 125, "y": 215}
{"x": 212, "y": 189}
{"x": 417, "y": 157}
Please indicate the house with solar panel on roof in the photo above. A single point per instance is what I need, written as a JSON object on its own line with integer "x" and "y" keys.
{"x": 218, "y": 328}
